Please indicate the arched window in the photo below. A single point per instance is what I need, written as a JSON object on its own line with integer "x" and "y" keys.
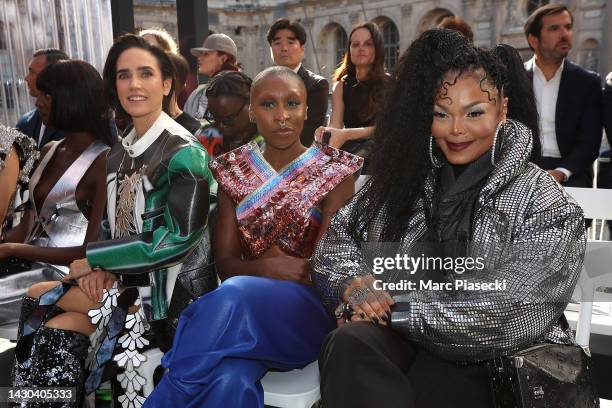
{"x": 532, "y": 5}
{"x": 339, "y": 44}
{"x": 391, "y": 40}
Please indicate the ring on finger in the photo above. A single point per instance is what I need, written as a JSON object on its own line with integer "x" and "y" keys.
{"x": 358, "y": 295}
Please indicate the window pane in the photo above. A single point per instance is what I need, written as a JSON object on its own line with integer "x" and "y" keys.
{"x": 83, "y": 29}
{"x": 391, "y": 40}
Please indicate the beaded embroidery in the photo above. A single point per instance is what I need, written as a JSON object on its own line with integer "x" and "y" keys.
{"x": 280, "y": 208}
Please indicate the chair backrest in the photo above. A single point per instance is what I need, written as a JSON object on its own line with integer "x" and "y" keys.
{"x": 596, "y": 203}
{"x": 596, "y": 272}
{"x": 361, "y": 180}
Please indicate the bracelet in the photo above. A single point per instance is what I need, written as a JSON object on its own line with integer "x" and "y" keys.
{"x": 344, "y": 310}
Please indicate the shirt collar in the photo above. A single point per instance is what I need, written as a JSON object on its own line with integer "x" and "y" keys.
{"x": 539, "y": 72}
{"x": 135, "y": 147}
{"x": 297, "y": 68}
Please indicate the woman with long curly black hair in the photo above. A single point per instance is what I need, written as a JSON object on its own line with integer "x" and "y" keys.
{"x": 453, "y": 205}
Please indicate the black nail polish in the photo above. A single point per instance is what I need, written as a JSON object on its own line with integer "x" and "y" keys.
{"x": 362, "y": 315}
{"x": 375, "y": 320}
{"x": 383, "y": 318}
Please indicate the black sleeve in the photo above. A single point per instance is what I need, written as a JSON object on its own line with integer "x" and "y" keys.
{"x": 317, "y": 109}
{"x": 607, "y": 109}
{"x": 588, "y": 139}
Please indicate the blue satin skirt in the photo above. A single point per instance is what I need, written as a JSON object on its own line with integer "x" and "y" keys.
{"x": 227, "y": 340}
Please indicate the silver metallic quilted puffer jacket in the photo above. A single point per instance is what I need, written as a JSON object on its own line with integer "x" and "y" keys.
{"x": 529, "y": 232}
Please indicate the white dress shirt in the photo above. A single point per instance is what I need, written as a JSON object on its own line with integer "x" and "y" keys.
{"x": 546, "y": 94}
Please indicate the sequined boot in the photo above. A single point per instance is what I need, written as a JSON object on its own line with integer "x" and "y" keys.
{"x": 58, "y": 360}
{"x": 21, "y": 369}
{"x": 28, "y": 304}
{"x": 23, "y": 350}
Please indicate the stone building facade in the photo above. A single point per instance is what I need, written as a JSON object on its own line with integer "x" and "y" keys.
{"x": 329, "y": 21}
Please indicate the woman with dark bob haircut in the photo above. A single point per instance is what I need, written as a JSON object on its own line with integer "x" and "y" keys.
{"x": 67, "y": 187}
{"x": 150, "y": 176}
{"x": 451, "y": 182}
{"x": 359, "y": 91}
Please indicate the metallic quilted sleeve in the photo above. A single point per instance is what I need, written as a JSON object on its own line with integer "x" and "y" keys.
{"x": 336, "y": 260}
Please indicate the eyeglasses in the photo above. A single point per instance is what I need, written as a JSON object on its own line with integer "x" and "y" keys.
{"x": 225, "y": 120}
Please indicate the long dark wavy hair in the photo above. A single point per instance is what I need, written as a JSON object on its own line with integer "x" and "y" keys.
{"x": 521, "y": 99}
{"x": 377, "y": 80}
{"x": 122, "y": 44}
{"x": 400, "y": 162}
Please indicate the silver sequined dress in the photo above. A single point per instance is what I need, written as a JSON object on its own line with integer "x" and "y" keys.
{"x": 26, "y": 149}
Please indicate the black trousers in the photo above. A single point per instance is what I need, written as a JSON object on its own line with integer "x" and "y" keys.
{"x": 368, "y": 366}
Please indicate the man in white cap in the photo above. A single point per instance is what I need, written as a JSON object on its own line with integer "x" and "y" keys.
{"x": 218, "y": 53}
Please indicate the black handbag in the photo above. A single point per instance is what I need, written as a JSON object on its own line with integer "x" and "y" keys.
{"x": 543, "y": 376}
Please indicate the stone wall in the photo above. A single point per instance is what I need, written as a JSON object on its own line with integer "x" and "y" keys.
{"x": 493, "y": 21}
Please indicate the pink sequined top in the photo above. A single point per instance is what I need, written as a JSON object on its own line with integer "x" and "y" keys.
{"x": 281, "y": 208}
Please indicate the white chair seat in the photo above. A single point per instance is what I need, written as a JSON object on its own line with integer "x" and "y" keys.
{"x": 605, "y": 403}
{"x": 292, "y": 389}
{"x": 6, "y": 345}
{"x": 147, "y": 369}
{"x": 601, "y": 316}
{"x": 9, "y": 331}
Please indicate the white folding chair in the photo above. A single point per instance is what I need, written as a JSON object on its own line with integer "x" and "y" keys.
{"x": 594, "y": 316}
{"x": 594, "y": 313}
{"x": 596, "y": 204}
{"x": 292, "y": 389}
{"x": 147, "y": 369}
{"x": 9, "y": 331}
{"x": 361, "y": 180}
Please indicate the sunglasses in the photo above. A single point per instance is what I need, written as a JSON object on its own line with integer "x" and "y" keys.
{"x": 224, "y": 120}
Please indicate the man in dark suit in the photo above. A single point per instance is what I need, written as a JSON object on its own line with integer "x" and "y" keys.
{"x": 568, "y": 98}
{"x": 31, "y": 123}
{"x": 607, "y": 108}
{"x": 287, "y": 40}
{"x": 604, "y": 179}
